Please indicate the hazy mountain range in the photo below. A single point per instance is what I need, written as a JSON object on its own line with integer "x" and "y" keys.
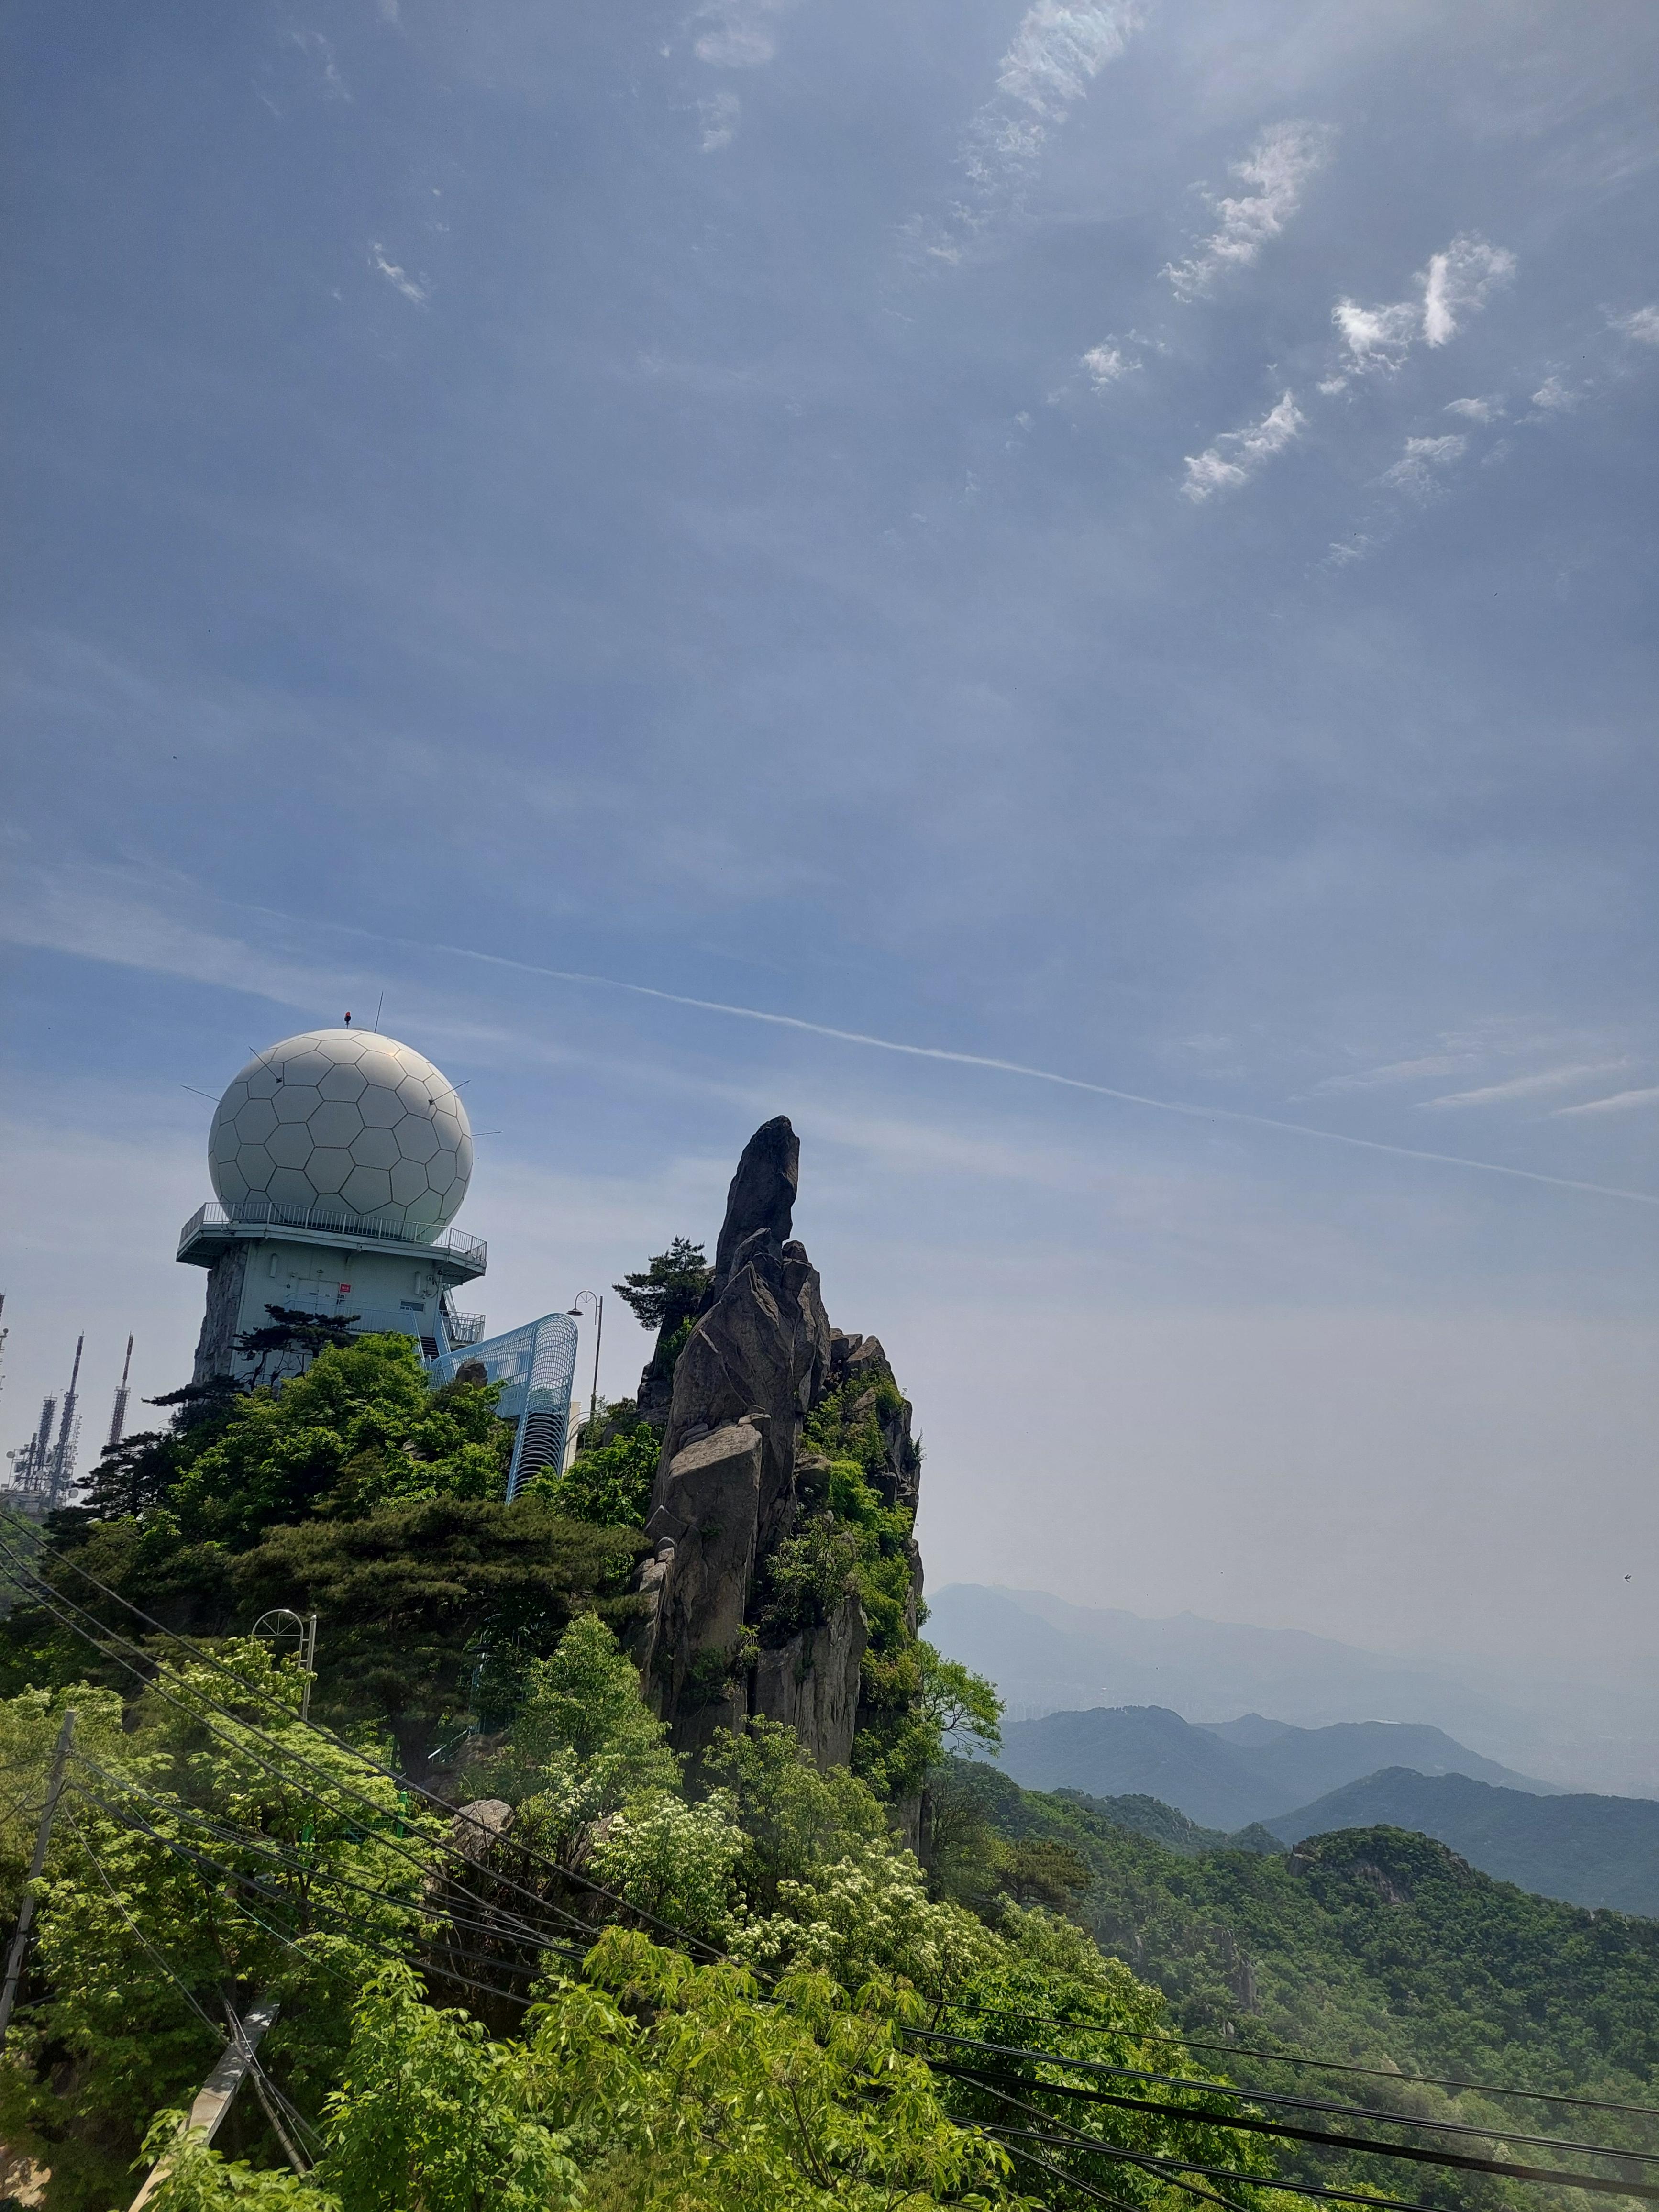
{"x": 1229, "y": 1775}
{"x": 1047, "y": 1655}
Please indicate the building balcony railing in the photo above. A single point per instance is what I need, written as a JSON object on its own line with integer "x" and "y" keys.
{"x": 257, "y": 1211}
{"x": 464, "y": 1328}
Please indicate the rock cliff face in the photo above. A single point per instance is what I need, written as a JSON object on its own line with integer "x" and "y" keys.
{"x": 734, "y": 1485}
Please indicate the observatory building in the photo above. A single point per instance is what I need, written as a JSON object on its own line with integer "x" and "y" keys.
{"x": 339, "y": 1159}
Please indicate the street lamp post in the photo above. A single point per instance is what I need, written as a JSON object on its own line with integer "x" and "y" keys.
{"x": 599, "y": 1338}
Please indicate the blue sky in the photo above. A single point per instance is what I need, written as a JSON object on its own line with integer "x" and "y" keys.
{"x": 1111, "y": 539}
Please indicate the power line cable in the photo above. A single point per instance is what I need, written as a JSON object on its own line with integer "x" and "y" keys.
{"x": 1294, "y": 2103}
{"x": 27, "y": 1575}
{"x": 1170, "y": 2169}
{"x": 146, "y": 1674}
{"x": 248, "y": 1881}
{"x": 266, "y": 1847}
{"x": 264, "y": 2086}
{"x": 1414, "y": 2154}
{"x": 1332, "y": 2065}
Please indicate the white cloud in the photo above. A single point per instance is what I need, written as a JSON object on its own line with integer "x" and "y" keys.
{"x": 1555, "y": 398}
{"x": 1528, "y": 1086}
{"x": 1238, "y": 455}
{"x": 741, "y": 33}
{"x": 1643, "y": 325}
{"x": 1061, "y": 47}
{"x": 1277, "y": 166}
{"x": 1107, "y": 365}
{"x": 1055, "y": 55}
{"x": 1424, "y": 458}
{"x": 1475, "y": 411}
{"x": 1455, "y": 284}
{"x": 1376, "y": 337}
{"x": 402, "y": 282}
{"x": 718, "y": 118}
{"x": 1622, "y": 1101}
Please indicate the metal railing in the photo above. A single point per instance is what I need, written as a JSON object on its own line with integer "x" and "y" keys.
{"x": 535, "y": 1365}
{"x": 464, "y": 1328}
{"x": 257, "y": 1211}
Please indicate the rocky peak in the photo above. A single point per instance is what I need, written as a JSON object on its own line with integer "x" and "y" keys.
{"x": 761, "y": 1197}
{"x": 734, "y": 1485}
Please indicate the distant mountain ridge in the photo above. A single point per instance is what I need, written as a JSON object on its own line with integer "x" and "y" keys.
{"x": 1047, "y": 1655}
{"x": 1597, "y": 1851}
{"x": 1042, "y": 1651}
{"x": 1214, "y": 1774}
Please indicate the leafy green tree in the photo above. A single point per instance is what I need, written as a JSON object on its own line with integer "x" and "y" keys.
{"x": 609, "y": 1485}
{"x": 647, "y": 2085}
{"x": 429, "y": 2114}
{"x": 427, "y": 1608}
{"x": 360, "y": 1429}
{"x": 674, "y": 1861}
{"x": 213, "y": 1848}
{"x": 583, "y": 1741}
{"x": 680, "y": 2087}
{"x": 669, "y": 1289}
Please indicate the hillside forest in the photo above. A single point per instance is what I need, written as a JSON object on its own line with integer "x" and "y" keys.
{"x": 473, "y": 1931}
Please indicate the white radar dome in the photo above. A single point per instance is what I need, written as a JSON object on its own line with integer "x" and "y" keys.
{"x": 350, "y": 1123}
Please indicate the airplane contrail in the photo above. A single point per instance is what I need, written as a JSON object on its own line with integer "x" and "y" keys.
{"x": 1016, "y": 1068}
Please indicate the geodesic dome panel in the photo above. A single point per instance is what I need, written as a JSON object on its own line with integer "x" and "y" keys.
{"x": 348, "y": 1120}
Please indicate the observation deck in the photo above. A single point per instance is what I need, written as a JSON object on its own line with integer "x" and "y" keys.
{"x": 454, "y": 1256}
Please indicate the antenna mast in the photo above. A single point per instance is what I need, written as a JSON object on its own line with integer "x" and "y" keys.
{"x": 118, "y": 1417}
{"x": 60, "y": 1473}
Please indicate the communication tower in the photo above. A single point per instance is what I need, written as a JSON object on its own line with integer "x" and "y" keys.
{"x": 118, "y": 1421}
{"x": 43, "y": 1469}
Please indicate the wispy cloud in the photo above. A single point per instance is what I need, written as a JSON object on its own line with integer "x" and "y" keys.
{"x": 1375, "y": 338}
{"x": 399, "y": 279}
{"x": 51, "y": 909}
{"x": 1055, "y": 55}
{"x": 1642, "y": 325}
{"x": 1552, "y": 397}
{"x": 1238, "y": 455}
{"x": 1455, "y": 285}
{"x": 1107, "y": 364}
{"x": 1528, "y": 1086}
{"x": 1398, "y": 1071}
{"x": 1476, "y": 410}
{"x": 1422, "y": 463}
{"x": 1622, "y": 1101}
{"x": 718, "y": 117}
{"x": 315, "y": 44}
{"x": 741, "y": 33}
{"x": 1277, "y": 166}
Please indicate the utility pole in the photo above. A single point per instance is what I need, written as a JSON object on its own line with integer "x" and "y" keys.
{"x": 43, "y": 1837}
{"x": 213, "y": 2099}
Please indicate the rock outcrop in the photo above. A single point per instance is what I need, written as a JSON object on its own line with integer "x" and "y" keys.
{"x": 734, "y": 1486}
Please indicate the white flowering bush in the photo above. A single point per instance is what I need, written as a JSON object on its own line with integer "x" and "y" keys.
{"x": 867, "y": 1916}
{"x": 674, "y": 1860}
